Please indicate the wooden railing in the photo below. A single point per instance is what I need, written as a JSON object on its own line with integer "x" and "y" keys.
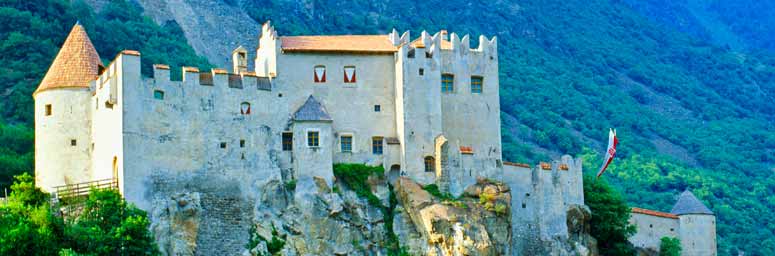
{"x": 83, "y": 188}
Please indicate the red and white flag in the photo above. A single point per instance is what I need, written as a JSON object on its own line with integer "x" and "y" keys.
{"x": 610, "y": 152}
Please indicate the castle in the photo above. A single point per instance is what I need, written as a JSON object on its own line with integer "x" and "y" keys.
{"x": 427, "y": 109}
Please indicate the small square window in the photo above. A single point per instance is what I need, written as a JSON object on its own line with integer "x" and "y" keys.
{"x": 346, "y": 143}
{"x": 422, "y": 72}
{"x": 313, "y": 139}
{"x": 242, "y": 143}
{"x": 377, "y": 108}
{"x": 158, "y": 94}
{"x": 73, "y": 143}
{"x": 447, "y": 83}
{"x": 376, "y": 145}
{"x": 476, "y": 84}
{"x": 223, "y": 144}
{"x": 319, "y": 73}
{"x": 287, "y": 141}
{"x": 349, "y": 74}
{"x": 48, "y": 109}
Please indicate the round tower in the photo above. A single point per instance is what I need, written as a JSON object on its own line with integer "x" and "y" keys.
{"x": 697, "y": 226}
{"x": 63, "y": 114}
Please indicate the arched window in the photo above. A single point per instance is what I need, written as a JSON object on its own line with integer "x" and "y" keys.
{"x": 320, "y": 74}
{"x": 244, "y": 108}
{"x": 430, "y": 164}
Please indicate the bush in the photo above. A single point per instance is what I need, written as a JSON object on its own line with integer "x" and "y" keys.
{"x": 355, "y": 177}
{"x": 670, "y": 246}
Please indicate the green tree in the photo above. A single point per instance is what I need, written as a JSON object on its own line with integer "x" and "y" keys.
{"x": 669, "y": 246}
{"x": 107, "y": 225}
{"x": 610, "y": 217}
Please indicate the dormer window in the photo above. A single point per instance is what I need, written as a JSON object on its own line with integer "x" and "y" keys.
{"x": 349, "y": 74}
{"x": 320, "y": 74}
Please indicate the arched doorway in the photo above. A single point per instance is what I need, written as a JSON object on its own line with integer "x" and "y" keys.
{"x": 394, "y": 173}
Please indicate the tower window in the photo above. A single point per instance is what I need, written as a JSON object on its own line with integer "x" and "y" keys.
{"x": 313, "y": 138}
{"x": 287, "y": 141}
{"x": 244, "y": 108}
{"x": 447, "y": 83}
{"x": 349, "y": 74}
{"x": 242, "y": 143}
{"x": 377, "y": 108}
{"x": 158, "y": 94}
{"x": 376, "y": 145}
{"x": 223, "y": 145}
{"x": 476, "y": 84}
{"x": 48, "y": 109}
{"x": 73, "y": 143}
{"x": 430, "y": 164}
{"x": 422, "y": 71}
{"x": 346, "y": 142}
{"x": 320, "y": 74}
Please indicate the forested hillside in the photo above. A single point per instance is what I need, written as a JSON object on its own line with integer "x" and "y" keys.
{"x": 690, "y": 112}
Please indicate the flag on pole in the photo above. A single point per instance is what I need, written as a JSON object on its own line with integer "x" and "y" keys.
{"x": 610, "y": 152}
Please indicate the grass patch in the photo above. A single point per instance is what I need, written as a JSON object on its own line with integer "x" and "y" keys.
{"x": 274, "y": 245}
{"x": 355, "y": 177}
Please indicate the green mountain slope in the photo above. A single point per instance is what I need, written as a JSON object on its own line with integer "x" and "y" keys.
{"x": 689, "y": 114}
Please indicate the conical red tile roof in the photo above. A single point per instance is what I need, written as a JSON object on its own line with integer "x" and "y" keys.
{"x": 76, "y": 64}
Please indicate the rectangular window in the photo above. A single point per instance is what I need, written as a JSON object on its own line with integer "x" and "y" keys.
{"x": 313, "y": 139}
{"x": 447, "y": 83}
{"x": 242, "y": 143}
{"x": 287, "y": 141}
{"x": 476, "y": 84}
{"x": 346, "y": 143}
{"x": 223, "y": 145}
{"x": 73, "y": 143}
{"x": 320, "y": 74}
{"x": 422, "y": 71}
{"x": 376, "y": 145}
{"x": 48, "y": 109}
{"x": 349, "y": 74}
{"x": 377, "y": 108}
{"x": 158, "y": 94}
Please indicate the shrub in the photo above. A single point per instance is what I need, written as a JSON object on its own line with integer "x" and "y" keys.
{"x": 670, "y": 246}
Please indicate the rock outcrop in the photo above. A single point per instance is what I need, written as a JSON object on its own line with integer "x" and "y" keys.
{"x": 475, "y": 224}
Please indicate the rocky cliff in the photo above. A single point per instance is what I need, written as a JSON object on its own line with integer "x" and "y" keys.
{"x": 311, "y": 218}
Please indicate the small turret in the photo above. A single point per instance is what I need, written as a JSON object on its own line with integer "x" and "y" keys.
{"x": 239, "y": 58}
{"x": 697, "y": 228}
{"x": 62, "y": 113}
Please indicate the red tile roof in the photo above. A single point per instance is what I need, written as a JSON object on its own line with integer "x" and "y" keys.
{"x": 517, "y": 164}
{"x": 654, "y": 213}
{"x": 76, "y": 64}
{"x": 342, "y": 43}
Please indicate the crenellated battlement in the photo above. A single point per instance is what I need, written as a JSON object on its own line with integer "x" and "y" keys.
{"x": 216, "y": 77}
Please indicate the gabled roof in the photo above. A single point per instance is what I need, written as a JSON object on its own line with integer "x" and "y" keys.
{"x": 312, "y": 110}
{"x": 445, "y": 45}
{"x": 654, "y": 213}
{"x": 76, "y": 64}
{"x": 342, "y": 43}
{"x": 689, "y": 204}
